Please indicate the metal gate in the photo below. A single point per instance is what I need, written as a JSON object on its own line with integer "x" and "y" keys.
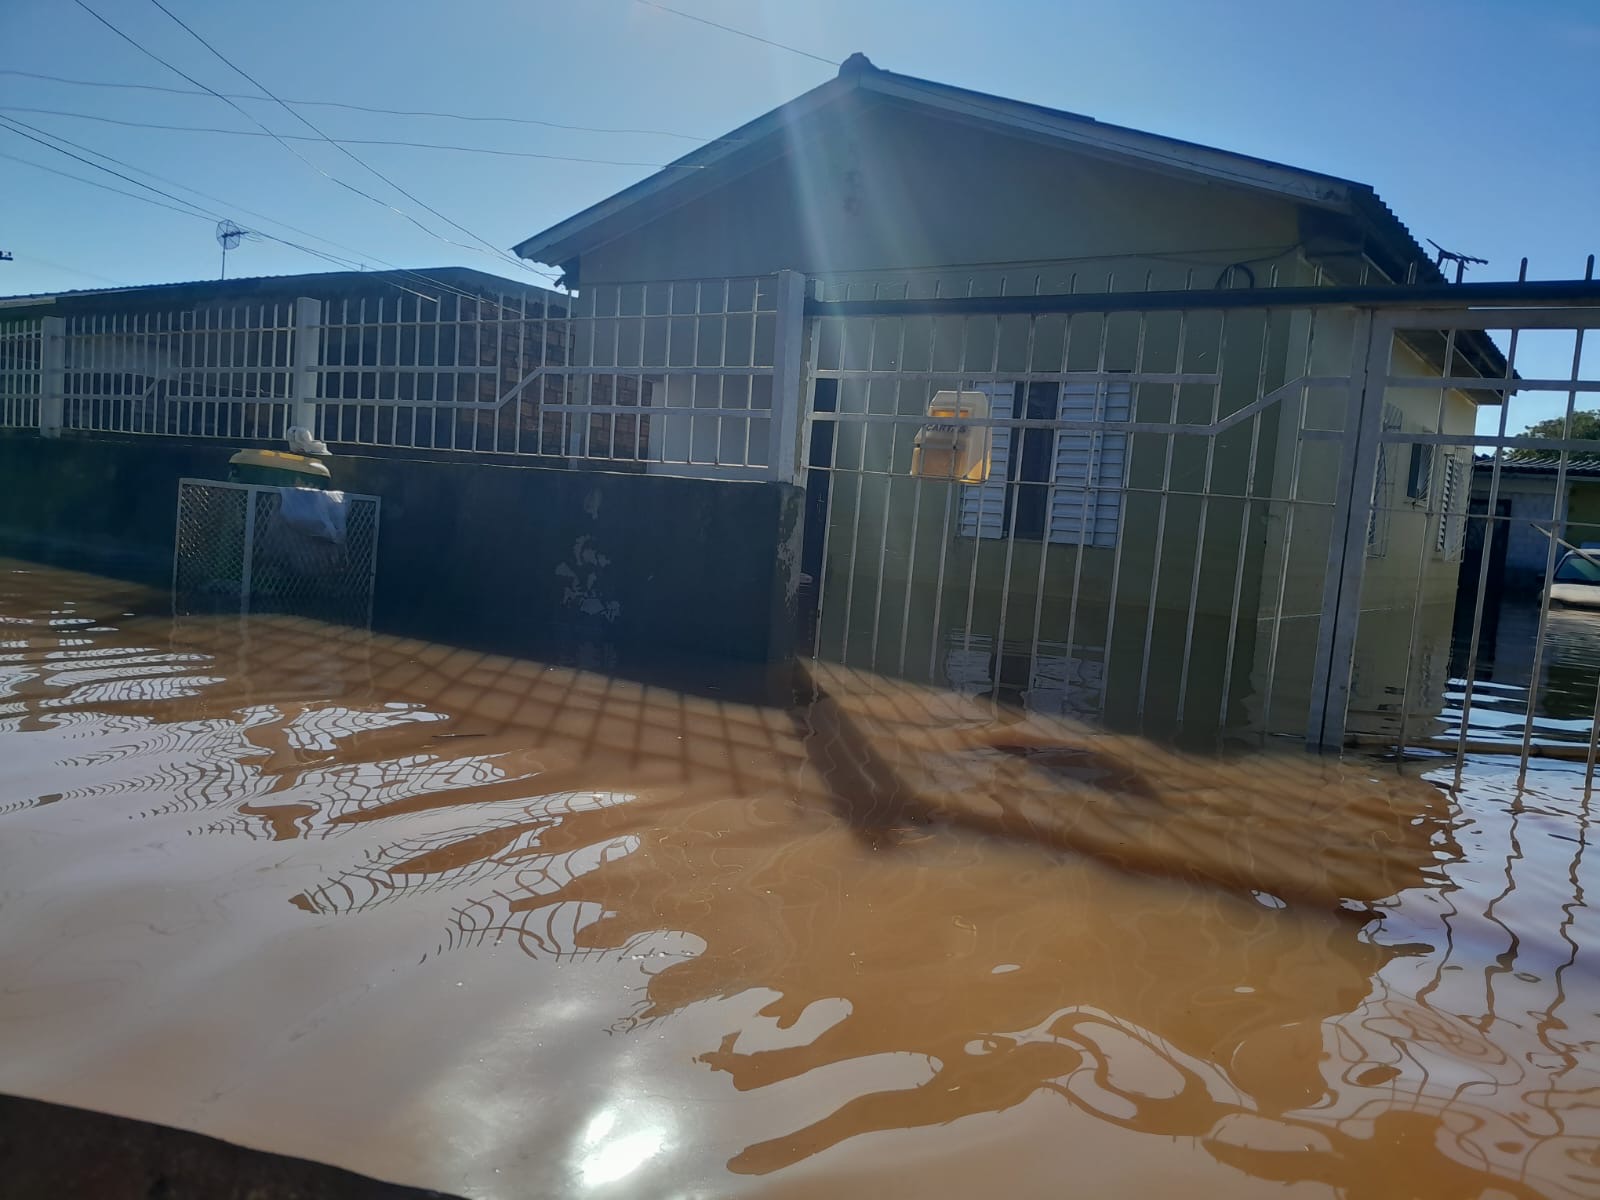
{"x": 1484, "y": 657}
{"x": 237, "y": 549}
{"x": 1199, "y": 515}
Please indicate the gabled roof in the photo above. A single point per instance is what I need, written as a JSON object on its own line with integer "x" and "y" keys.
{"x": 761, "y": 140}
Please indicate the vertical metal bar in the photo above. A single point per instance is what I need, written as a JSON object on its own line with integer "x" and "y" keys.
{"x": 888, "y": 491}
{"x": 1092, "y": 451}
{"x": 1018, "y": 436}
{"x": 951, "y": 491}
{"x": 666, "y": 382}
{"x": 861, "y": 481}
{"x": 1052, "y": 490}
{"x": 1489, "y": 527}
{"x": 1292, "y": 511}
{"x": 918, "y": 492}
{"x": 247, "y": 559}
{"x": 641, "y": 441}
{"x": 788, "y": 358}
{"x": 372, "y": 557}
{"x": 918, "y": 489}
{"x": 1594, "y": 746}
{"x": 1205, "y": 508}
{"x": 1011, "y": 457}
{"x": 1557, "y": 527}
{"x": 52, "y": 376}
{"x": 1161, "y": 521}
{"x": 821, "y": 581}
{"x": 1122, "y": 508}
{"x": 1371, "y": 342}
{"x": 208, "y": 362}
{"x": 1422, "y": 550}
{"x": 177, "y": 542}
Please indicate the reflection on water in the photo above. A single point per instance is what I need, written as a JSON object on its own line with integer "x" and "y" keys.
{"x": 511, "y": 930}
{"x": 1561, "y": 704}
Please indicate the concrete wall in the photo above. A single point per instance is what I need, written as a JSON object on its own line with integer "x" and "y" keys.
{"x": 631, "y": 568}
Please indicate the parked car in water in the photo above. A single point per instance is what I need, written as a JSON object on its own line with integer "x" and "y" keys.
{"x": 1577, "y": 579}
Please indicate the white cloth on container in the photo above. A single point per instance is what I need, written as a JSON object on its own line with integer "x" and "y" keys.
{"x": 313, "y": 513}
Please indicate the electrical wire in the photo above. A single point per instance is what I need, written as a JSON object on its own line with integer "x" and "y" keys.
{"x": 17, "y": 128}
{"x": 346, "y": 264}
{"x": 744, "y": 33}
{"x": 191, "y": 210}
{"x": 286, "y": 145}
{"x": 186, "y": 212}
{"x": 26, "y": 259}
{"x": 301, "y": 137}
{"x": 178, "y": 183}
{"x": 497, "y": 251}
{"x": 365, "y": 108}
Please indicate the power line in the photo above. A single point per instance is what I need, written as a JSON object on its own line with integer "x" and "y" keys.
{"x": 19, "y": 129}
{"x": 744, "y": 33}
{"x": 185, "y": 212}
{"x": 31, "y": 259}
{"x": 191, "y": 210}
{"x": 497, "y": 251}
{"x": 326, "y": 175}
{"x": 301, "y": 137}
{"x": 178, "y": 183}
{"x": 366, "y": 108}
{"x": 346, "y": 264}
{"x": 187, "y": 209}
{"x": 105, "y": 187}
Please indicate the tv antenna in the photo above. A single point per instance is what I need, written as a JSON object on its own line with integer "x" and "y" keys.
{"x": 1461, "y": 260}
{"x": 229, "y": 235}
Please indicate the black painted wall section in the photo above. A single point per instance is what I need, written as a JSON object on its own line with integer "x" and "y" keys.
{"x": 609, "y": 570}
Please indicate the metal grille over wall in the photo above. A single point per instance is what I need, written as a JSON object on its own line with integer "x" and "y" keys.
{"x": 687, "y": 377}
{"x": 21, "y": 362}
{"x": 236, "y": 549}
{"x": 1204, "y": 515}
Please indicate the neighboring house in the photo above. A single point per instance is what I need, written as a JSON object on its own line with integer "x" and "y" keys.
{"x": 876, "y": 184}
{"x": 126, "y": 371}
{"x": 1528, "y": 510}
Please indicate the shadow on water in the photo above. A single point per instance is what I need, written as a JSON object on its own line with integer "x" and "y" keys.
{"x": 883, "y": 908}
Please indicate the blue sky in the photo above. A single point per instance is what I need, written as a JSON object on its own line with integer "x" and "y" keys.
{"x": 1475, "y": 119}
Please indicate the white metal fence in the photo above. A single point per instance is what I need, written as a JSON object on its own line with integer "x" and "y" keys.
{"x": 681, "y": 377}
{"x": 21, "y": 362}
{"x": 696, "y": 377}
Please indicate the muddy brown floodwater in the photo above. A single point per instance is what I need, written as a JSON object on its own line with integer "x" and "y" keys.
{"x": 507, "y": 930}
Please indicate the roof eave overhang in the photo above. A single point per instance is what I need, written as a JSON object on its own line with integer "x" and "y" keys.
{"x": 752, "y": 145}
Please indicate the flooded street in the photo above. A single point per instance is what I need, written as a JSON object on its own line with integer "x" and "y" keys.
{"x": 1568, "y": 664}
{"x": 510, "y": 930}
